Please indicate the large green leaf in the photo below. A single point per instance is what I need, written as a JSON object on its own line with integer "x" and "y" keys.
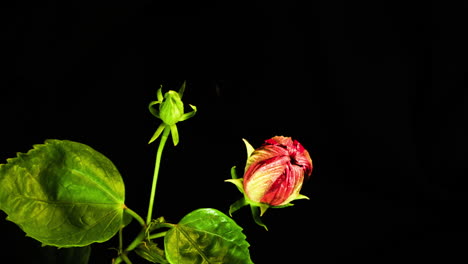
{"x": 63, "y": 194}
{"x": 206, "y": 236}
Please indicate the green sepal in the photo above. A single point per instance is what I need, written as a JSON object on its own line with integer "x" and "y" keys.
{"x": 159, "y": 94}
{"x": 175, "y": 134}
{"x": 234, "y": 173}
{"x": 237, "y": 205}
{"x": 158, "y": 132}
{"x": 263, "y": 208}
{"x": 248, "y": 147}
{"x": 189, "y": 114}
{"x": 160, "y": 97}
{"x": 238, "y": 183}
{"x": 182, "y": 89}
{"x": 300, "y": 197}
{"x": 256, "y": 215}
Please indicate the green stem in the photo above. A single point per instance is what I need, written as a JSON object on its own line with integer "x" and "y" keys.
{"x": 136, "y": 242}
{"x": 164, "y": 137}
{"x": 136, "y": 216}
{"x": 158, "y": 235}
{"x": 126, "y": 259}
{"x": 168, "y": 225}
{"x": 120, "y": 239}
{"x": 121, "y": 258}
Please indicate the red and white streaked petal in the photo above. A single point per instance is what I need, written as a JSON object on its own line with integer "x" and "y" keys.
{"x": 261, "y": 175}
{"x": 295, "y": 149}
{"x": 302, "y": 158}
{"x": 280, "y": 140}
{"x": 264, "y": 153}
{"x": 286, "y": 187}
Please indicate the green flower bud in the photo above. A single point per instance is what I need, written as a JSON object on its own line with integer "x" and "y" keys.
{"x": 171, "y": 109}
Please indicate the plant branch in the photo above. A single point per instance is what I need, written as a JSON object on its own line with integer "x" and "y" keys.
{"x": 121, "y": 239}
{"x": 164, "y": 137}
{"x": 137, "y": 241}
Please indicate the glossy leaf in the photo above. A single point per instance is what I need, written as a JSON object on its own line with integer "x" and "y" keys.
{"x": 63, "y": 194}
{"x": 206, "y": 236}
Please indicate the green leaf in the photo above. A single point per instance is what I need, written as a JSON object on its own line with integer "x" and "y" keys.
{"x": 63, "y": 194}
{"x": 206, "y": 236}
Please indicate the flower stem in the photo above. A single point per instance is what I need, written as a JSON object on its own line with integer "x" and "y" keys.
{"x": 164, "y": 137}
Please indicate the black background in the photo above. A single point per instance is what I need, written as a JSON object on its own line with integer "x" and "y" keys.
{"x": 375, "y": 91}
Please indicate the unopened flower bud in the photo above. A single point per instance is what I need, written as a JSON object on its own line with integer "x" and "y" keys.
{"x": 274, "y": 173}
{"x": 273, "y": 176}
{"x": 171, "y": 109}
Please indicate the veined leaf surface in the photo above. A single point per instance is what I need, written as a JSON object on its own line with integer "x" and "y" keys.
{"x": 206, "y": 236}
{"x": 63, "y": 193}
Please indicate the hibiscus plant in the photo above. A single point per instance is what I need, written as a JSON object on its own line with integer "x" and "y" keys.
{"x": 67, "y": 195}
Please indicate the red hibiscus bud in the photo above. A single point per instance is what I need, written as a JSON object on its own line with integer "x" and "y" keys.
{"x": 274, "y": 172}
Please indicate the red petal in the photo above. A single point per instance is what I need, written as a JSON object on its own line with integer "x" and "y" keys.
{"x": 265, "y": 153}
{"x": 260, "y": 176}
{"x": 286, "y": 187}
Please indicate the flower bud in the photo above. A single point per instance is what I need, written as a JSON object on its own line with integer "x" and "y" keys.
{"x": 171, "y": 109}
{"x": 274, "y": 173}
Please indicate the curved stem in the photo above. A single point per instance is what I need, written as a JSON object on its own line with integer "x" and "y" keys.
{"x": 136, "y": 216}
{"x": 164, "y": 137}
